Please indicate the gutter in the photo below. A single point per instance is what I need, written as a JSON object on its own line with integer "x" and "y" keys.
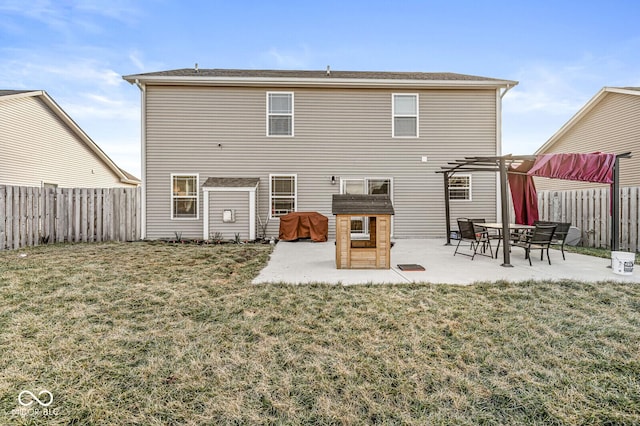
{"x": 507, "y": 88}
{"x": 143, "y": 150}
{"x": 318, "y": 82}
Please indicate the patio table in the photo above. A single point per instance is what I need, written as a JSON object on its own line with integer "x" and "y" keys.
{"x": 518, "y": 227}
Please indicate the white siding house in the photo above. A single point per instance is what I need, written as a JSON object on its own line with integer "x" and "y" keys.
{"x": 40, "y": 145}
{"x": 609, "y": 122}
{"x": 306, "y": 135}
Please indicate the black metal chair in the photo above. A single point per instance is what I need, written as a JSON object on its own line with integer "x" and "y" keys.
{"x": 540, "y": 238}
{"x": 474, "y": 237}
{"x": 560, "y": 235}
{"x": 492, "y": 235}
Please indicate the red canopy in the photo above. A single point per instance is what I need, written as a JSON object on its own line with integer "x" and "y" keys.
{"x": 523, "y": 193}
{"x": 594, "y": 167}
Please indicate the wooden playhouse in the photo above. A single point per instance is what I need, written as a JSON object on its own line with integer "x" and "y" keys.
{"x": 375, "y": 211}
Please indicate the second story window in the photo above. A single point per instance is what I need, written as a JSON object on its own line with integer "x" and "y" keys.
{"x": 405, "y": 116}
{"x": 279, "y": 114}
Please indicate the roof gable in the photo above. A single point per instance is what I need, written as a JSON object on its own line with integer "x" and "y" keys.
{"x": 124, "y": 176}
{"x": 595, "y": 100}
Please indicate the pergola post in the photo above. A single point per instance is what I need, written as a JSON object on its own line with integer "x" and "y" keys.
{"x": 615, "y": 202}
{"x": 615, "y": 207}
{"x": 506, "y": 243}
{"x": 447, "y": 208}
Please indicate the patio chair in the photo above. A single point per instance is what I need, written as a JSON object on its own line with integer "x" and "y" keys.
{"x": 475, "y": 238}
{"x": 560, "y": 235}
{"x": 539, "y": 238}
{"x": 495, "y": 235}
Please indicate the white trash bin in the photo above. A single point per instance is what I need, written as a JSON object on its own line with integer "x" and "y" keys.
{"x": 622, "y": 262}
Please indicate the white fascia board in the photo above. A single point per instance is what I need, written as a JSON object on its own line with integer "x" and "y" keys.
{"x": 22, "y": 95}
{"x": 318, "y": 82}
{"x": 622, "y": 91}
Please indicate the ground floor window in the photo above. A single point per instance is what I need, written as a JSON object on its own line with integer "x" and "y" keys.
{"x": 283, "y": 194}
{"x": 460, "y": 187}
{"x": 360, "y": 225}
{"x": 184, "y": 196}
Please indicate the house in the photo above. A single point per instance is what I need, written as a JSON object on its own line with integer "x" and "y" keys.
{"x": 227, "y": 152}
{"x": 42, "y": 146}
{"x": 609, "y": 122}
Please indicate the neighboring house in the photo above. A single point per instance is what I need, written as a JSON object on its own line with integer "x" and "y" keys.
{"x": 224, "y": 151}
{"x": 40, "y": 145}
{"x": 609, "y": 122}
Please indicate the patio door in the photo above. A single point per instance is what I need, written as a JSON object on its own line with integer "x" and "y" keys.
{"x": 360, "y": 225}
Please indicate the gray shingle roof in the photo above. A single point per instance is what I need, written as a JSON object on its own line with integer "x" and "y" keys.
{"x": 358, "y": 204}
{"x": 14, "y": 92}
{"x": 230, "y": 182}
{"x": 371, "y": 75}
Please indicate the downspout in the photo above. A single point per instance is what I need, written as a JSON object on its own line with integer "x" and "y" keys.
{"x": 143, "y": 157}
{"x": 499, "y": 153}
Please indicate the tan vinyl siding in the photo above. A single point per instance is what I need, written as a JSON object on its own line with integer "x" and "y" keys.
{"x": 613, "y": 125}
{"x": 37, "y": 147}
{"x": 238, "y": 201}
{"x": 346, "y": 133}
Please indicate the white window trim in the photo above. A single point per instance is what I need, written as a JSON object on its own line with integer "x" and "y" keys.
{"x": 197, "y": 175}
{"x": 295, "y": 189}
{"x": 470, "y": 189}
{"x": 393, "y": 115}
{"x": 365, "y": 181}
{"x": 293, "y": 120}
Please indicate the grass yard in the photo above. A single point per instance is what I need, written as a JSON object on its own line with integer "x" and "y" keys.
{"x": 157, "y": 334}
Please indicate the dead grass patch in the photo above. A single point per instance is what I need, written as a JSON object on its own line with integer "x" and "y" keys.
{"x": 146, "y": 333}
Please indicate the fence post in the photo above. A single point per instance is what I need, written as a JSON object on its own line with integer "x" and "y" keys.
{"x": 122, "y": 221}
{"x": 98, "y": 215}
{"x": 91, "y": 193}
{"x": 3, "y": 217}
{"x": 16, "y": 217}
{"x": 106, "y": 215}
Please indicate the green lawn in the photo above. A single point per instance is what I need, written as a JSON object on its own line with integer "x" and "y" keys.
{"x": 157, "y": 334}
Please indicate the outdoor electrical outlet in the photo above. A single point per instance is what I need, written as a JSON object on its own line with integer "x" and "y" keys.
{"x": 424, "y": 158}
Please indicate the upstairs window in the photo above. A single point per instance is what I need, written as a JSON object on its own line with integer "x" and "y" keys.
{"x": 282, "y": 194}
{"x": 184, "y": 196}
{"x": 460, "y": 187}
{"x": 405, "y": 116}
{"x": 279, "y": 114}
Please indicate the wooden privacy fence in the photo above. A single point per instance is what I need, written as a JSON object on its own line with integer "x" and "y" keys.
{"x": 31, "y": 215}
{"x": 589, "y": 210}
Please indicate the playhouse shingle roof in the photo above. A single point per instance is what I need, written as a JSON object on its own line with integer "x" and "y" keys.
{"x": 357, "y": 204}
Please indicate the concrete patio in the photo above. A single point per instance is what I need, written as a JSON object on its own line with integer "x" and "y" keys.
{"x": 305, "y": 262}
